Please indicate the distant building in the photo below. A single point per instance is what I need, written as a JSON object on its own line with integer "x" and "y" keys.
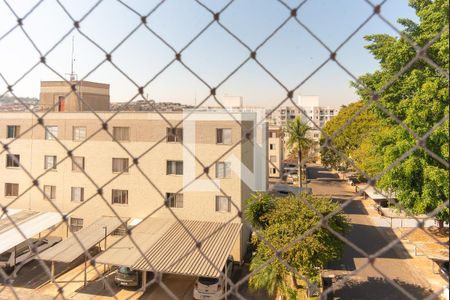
{"x": 276, "y": 151}
{"x": 89, "y": 96}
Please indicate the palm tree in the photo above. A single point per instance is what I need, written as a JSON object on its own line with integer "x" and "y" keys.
{"x": 298, "y": 142}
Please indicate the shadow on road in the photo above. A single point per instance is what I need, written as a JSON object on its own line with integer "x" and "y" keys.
{"x": 379, "y": 288}
{"x": 319, "y": 172}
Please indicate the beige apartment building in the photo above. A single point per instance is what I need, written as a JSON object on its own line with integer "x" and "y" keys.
{"x": 153, "y": 187}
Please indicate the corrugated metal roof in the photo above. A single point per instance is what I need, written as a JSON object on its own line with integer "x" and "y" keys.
{"x": 31, "y": 226}
{"x": 69, "y": 249}
{"x": 17, "y": 218}
{"x": 145, "y": 234}
{"x": 176, "y": 251}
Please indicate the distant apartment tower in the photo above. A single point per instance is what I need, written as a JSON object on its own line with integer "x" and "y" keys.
{"x": 58, "y": 96}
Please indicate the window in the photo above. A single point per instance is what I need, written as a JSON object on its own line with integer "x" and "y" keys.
{"x": 174, "y": 135}
{"x": 223, "y": 136}
{"x": 121, "y": 133}
{"x": 77, "y": 194}
{"x": 223, "y": 170}
{"x": 12, "y": 160}
{"x": 272, "y": 146}
{"x": 76, "y": 224}
{"x": 12, "y": 131}
{"x": 120, "y": 231}
{"x": 77, "y": 163}
{"x": 316, "y": 135}
{"x": 51, "y": 132}
{"x": 174, "y": 200}
{"x": 273, "y": 159}
{"x": 79, "y": 133}
{"x": 273, "y": 170}
{"x": 50, "y": 162}
{"x": 223, "y": 204}
{"x": 61, "y": 103}
{"x": 50, "y": 191}
{"x": 120, "y": 165}
{"x": 119, "y": 197}
{"x": 174, "y": 167}
{"x": 11, "y": 189}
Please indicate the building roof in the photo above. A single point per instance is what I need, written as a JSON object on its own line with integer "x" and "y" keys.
{"x": 375, "y": 195}
{"x": 169, "y": 246}
{"x": 29, "y": 226}
{"x": 69, "y": 249}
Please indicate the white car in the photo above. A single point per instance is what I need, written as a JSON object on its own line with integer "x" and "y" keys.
{"x": 213, "y": 287}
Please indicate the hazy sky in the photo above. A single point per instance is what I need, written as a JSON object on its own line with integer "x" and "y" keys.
{"x": 291, "y": 54}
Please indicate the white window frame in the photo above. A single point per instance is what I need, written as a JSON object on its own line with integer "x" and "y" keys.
{"x": 272, "y": 146}
{"x": 223, "y": 169}
{"x": 11, "y": 189}
{"x": 15, "y": 129}
{"x": 119, "y": 197}
{"x": 79, "y": 133}
{"x": 220, "y": 205}
{"x": 174, "y": 135}
{"x": 53, "y": 129}
{"x": 50, "y": 162}
{"x": 78, "y": 226}
{"x": 74, "y": 193}
{"x": 172, "y": 167}
{"x": 223, "y": 136}
{"x": 174, "y": 200}
{"x": 50, "y": 192}
{"x": 121, "y": 163}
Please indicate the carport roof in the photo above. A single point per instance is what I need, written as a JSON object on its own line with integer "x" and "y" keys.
{"x": 375, "y": 195}
{"x": 171, "y": 246}
{"x": 69, "y": 249}
{"x": 29, "y": 223}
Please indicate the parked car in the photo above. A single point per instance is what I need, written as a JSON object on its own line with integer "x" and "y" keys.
{"x": 288, "y": 190}
{"x": 127, "y": 277}
{"x": 21, "y": 254}
{"x": 443, "y": 270}
{"x": 213, "y": 287}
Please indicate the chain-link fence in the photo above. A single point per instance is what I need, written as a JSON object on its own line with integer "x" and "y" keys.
{"x": 103, "y": 126}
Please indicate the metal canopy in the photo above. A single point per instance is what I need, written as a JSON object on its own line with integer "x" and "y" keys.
{"x": 69, "y": 249}
{"x": 177, "y": 252}
{"x": 145, "y": 234}
{"x": 29, "y": 223}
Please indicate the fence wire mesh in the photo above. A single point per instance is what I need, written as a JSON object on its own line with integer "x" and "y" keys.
{"x": 104, "y": 126}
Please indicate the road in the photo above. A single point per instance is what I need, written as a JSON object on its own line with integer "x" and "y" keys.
{"x": 370, "y": 281}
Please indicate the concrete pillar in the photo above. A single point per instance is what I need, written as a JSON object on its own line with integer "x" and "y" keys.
{"x": 144, "y": 280}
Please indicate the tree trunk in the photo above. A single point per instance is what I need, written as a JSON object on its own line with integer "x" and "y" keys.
{"x": 441, "y": 224}
{"x": 300, "y": 168}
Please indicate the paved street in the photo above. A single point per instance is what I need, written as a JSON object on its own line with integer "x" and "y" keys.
{"x": 368, "y": 283}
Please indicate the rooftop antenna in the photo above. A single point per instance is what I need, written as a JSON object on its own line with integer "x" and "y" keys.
{"x": 72, "y": 75}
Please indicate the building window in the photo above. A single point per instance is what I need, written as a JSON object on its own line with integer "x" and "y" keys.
{"x": 50, "y": 191}
{"x": 174, "y": 200}
{"x": 11, "y": 189}
{"x": 121, "y": 133}
{"x": 174, "y": 167}
{"x": 76, "y": 224}
{"x": 174, "y": 135}
{"x": 223, "y": 204}
{"x": 272, "y": 146}
{"x": 120, "y": 165}
{"x": 77, "y": 194}
{"x": 50, "y": 162}
{"x": 51, "y": 132}
{"x": 316, "y": 135}
{"x": 223, "y": 136}
{"x": 77, "y": 163}
{"x": 223, "y": 169}
{"x": 273, "y": 159}
{"x": 119, "y": 197}
{"x": 273, "y": 170}
{"x": 120, "y": 231}
{"x": 12, "y": 160}
{"x": 79, "y": 133}
{"x": 12, "y": 131}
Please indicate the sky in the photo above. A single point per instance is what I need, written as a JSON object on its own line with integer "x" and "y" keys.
{"x": 290, "y": 55}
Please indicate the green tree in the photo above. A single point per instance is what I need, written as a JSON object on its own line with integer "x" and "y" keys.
{"x": 298, "y": 142}
{"x": 419, "y": 98}
{"x": 284, "y": 222}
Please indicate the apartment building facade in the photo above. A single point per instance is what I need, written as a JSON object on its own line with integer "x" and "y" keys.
{"x": 145, "y": 175}
{"x": 276, "y": 151}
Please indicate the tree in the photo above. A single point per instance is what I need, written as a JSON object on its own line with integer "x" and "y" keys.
{"x": 298, "y": 142}
{"x": 419, "y": 98}
{"x": 284, "y": 222}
